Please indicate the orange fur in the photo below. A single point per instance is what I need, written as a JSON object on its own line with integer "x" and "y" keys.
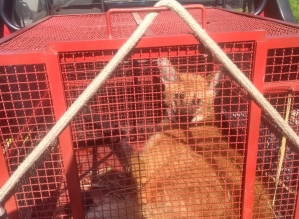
{"x": 193, "y": 87}
{"x": 191, "y": 172}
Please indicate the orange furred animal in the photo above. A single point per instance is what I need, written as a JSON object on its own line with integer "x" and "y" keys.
{"x": 190, "y": 170}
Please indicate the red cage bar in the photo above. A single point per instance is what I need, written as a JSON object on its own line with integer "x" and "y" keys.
{"x": 85, "y": 172}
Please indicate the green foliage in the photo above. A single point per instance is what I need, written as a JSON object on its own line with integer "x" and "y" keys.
{"x": 295, "y": 8}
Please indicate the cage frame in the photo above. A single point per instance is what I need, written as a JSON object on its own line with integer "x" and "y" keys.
{"x": 50, "y": 58}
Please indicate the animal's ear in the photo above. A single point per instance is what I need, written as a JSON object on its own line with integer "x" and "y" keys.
{"x": 215, "y": 80}
{"x": 168, "y": 71}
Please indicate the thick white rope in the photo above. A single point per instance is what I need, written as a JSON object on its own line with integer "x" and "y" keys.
{"x": 110, "y": 67}
{"x": 2, "y": 211}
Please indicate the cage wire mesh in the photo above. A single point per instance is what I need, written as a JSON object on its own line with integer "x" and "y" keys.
{"x": 26, "y": 116}
{"x": 137, "y": 152}
{"x": 132, "y": 162}
{"x": 129, "y": 111}
{"x": 269, "y": 156}
{"x": 282, "y": 66}
{"x": 93, "y": 26}
{"x": 128, "y": 117}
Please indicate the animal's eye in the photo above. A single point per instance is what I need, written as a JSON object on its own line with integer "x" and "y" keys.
{"x": 179, "y": 96}
{"x": 196, "y": 101}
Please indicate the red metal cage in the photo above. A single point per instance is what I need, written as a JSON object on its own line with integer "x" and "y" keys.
{"x": 121, "y": 157}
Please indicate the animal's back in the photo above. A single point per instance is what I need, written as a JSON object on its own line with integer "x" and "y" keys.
{"x": 193, "y": 173}
{"x": 179, "y": 183}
